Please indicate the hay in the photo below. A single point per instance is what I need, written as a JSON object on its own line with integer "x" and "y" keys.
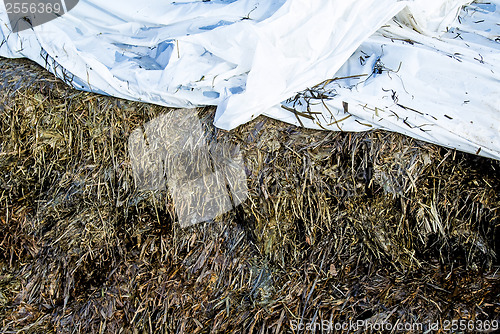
{"x": 337, "y": 227}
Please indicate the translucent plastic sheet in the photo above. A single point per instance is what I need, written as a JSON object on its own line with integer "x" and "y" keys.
{"x": 442, "y": 90}
{"x": 408, "y": 66}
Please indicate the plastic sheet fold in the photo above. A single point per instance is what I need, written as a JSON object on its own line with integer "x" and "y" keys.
{"x": 428, "y": 69}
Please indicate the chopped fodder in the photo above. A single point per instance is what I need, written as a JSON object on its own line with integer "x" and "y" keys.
{"x": 337, "y": 226}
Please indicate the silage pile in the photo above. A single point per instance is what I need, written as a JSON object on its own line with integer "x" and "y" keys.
{"x": 338, "y": 226}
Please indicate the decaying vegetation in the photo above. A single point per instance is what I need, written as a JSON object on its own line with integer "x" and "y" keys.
{"x": 338, "y": 226}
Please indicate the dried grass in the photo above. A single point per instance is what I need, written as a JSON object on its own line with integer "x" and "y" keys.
{"x": 338, "y": 226}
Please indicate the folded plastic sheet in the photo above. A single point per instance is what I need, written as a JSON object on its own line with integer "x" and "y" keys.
{"x": 442, "y": 90}
{"x": 408, "y": 66}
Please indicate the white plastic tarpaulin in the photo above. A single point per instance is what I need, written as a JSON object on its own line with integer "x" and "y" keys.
{"x": 428, "y": 69}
